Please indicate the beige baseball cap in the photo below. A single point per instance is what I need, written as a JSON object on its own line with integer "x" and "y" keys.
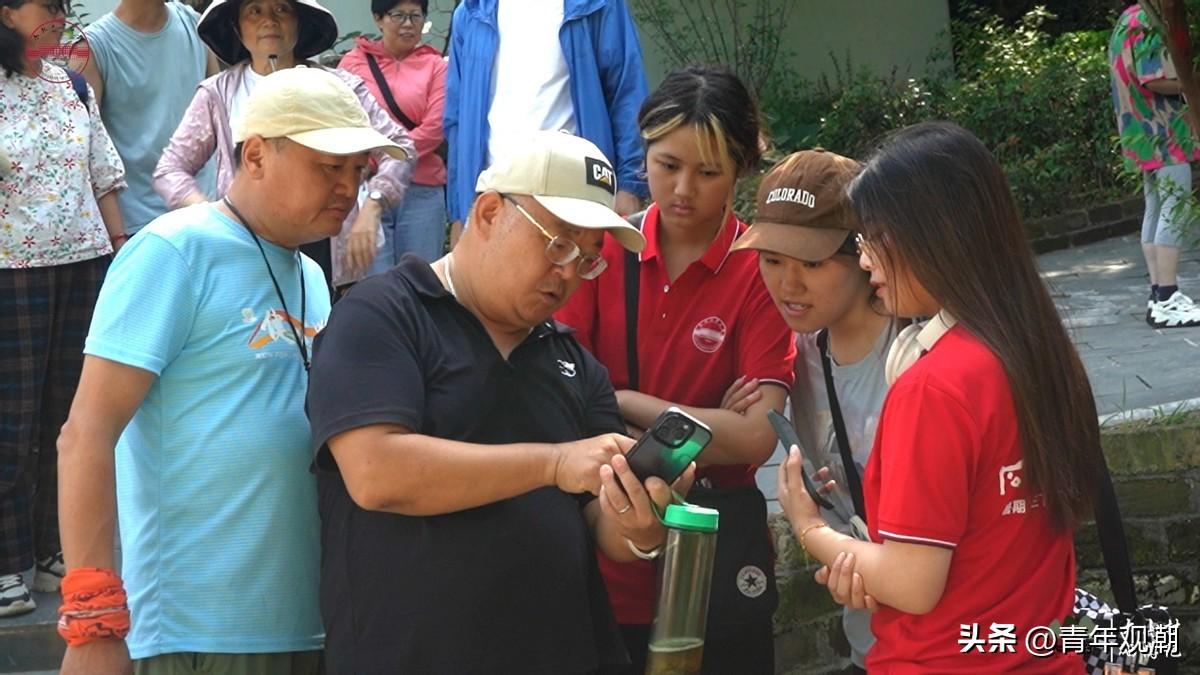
{"x": 314, "y": 108}
{"x": 570, "y": 177}
{"x": 803, "y": 211}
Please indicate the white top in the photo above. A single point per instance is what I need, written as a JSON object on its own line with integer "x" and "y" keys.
{"x": 250, "y": 80}
{"x": 530, "y": 81}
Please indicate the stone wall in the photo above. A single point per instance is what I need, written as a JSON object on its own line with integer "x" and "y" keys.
{"x": 1083, "y": 226}
{"x": 1156, "y": 473}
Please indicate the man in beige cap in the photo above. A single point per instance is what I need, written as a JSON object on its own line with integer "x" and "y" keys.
{"x": 469, "y": 451}
{"x": 195, "y": 371}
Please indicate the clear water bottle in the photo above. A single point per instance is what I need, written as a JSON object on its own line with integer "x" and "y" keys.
{"x": 680, "y": 617}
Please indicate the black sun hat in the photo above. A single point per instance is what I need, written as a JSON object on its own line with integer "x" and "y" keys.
{"x": 218, "y": 28}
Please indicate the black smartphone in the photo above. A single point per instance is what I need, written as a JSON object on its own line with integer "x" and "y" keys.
{"x": 668, "y": 446}
{"x": 787, "y": 435}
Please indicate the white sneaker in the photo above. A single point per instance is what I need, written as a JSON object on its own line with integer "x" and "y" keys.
{"x": 14, "y": 596}
{"x": 1177, "y": 311}
{"x": 1180, "y": 300}
{"x": 49, "y": 575}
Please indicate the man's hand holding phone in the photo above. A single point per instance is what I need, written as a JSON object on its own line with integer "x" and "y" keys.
{"x": 627, "y": 501}
{"x": 577, "y": 464}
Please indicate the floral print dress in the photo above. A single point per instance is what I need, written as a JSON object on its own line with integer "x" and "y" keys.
{"x": 56, "y": 160}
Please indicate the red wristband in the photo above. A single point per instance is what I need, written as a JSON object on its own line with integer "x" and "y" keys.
{"x": 94, "y": 606}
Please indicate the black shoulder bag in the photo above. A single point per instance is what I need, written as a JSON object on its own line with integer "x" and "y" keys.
{"x": 743, "y": 592}
{"x": 80, "y": 85}
{"x": 384, "y": 89}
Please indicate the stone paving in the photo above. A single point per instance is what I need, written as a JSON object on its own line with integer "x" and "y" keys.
{"x": 1135, "y": 370}
{"x": 1101, "y": 292}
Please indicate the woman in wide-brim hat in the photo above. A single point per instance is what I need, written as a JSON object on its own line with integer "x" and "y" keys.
{"x": 259, "y": 37}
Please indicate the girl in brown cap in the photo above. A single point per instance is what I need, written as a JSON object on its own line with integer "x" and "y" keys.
{"x": 259, "y": 37}
{"x": 988, "y": 446}
{"x": 804, "y": 232}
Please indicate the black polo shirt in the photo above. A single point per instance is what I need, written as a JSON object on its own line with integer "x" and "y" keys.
{"x": 510, "y": 587}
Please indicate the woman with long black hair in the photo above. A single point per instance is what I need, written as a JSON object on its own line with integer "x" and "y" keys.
{"x": 987, "y": 450}
{"x": 804, "y": 233}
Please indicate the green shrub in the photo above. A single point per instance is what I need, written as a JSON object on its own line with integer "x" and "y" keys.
{"x": 1040, "y": 102}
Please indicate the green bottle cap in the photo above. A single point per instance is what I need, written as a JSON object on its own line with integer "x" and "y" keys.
{"x": 691, "y": 517}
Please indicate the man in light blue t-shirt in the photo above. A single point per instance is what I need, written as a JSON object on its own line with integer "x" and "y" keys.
{"x": 146, "y": 62}
{"x": 192, "y": 396}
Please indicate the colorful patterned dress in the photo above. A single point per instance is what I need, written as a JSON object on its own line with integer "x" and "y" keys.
{"x": 1153, "y": 127}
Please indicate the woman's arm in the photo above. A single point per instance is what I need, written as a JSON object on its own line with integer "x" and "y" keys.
{"x": 393, "y": 176}
{"x": 110, "y": 213}
{"x": 106, "y": 173}
{"x": 193, "y": 142}
{"x": 391, "y": 181}
{"x": 737, "y": 438}
{"x": 908, "y": 577}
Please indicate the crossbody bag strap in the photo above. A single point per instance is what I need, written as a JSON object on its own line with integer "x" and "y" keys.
{"x": 839, "y": 428}
{"x": 633, "y": 268}
{"x": 387, "y": 94}
{"x": 1113, "y": 544}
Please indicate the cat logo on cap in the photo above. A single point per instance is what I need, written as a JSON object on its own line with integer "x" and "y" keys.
{"x": 601, "y": 175}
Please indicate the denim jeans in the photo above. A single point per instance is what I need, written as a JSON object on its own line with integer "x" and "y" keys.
{"x": 417, "y": 225}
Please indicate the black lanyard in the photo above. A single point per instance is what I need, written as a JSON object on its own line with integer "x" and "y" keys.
{"x": 279, "y": 293}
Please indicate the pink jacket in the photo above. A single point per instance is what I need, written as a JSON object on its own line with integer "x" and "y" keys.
{"x": 205, "y": 129}
{"x": 418, "y": 83}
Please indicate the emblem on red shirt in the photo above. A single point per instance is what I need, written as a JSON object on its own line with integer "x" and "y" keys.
{"x": 1010, "y": 476}
{"x": 709, "y": 334}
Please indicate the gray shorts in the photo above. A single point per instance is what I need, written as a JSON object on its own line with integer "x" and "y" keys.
{"x": 1165, "y": 212}
{"x": 188, "y": 663}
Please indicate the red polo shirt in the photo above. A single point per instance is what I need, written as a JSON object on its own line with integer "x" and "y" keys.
{"x": 696, "y": 335}
{"x": 946, "y": 470}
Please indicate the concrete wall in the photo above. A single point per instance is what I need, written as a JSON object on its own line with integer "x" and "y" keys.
{"x": 877, "y": 34}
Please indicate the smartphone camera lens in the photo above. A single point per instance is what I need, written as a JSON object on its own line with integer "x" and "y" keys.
{"x": 674, "y": 432}
{"x": 682, "y": 433}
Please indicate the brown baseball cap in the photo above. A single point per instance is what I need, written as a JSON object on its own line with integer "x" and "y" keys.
{"x": 803, "y": 210}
